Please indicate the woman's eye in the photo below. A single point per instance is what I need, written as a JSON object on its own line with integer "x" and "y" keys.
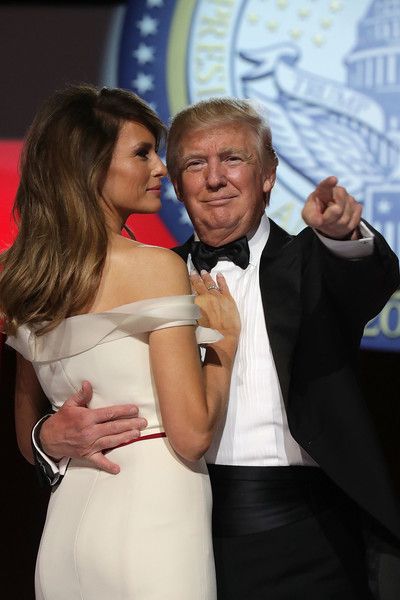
{"x": 143, "y": 153}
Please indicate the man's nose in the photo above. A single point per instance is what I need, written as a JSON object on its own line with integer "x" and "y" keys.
{"x": 215, "y": 175}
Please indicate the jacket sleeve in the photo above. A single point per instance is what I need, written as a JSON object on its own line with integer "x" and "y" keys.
{"x": 361, "y": 287}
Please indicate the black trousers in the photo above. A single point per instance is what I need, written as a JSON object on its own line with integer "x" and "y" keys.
{"x": 285, "y": 533}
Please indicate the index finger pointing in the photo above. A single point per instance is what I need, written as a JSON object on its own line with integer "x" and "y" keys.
{"x": 324, "y": 190}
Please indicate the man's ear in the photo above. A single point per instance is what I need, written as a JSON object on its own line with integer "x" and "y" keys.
{"x": 269, "y": 182}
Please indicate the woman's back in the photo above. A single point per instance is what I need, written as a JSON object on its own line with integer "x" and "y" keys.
{"x": 145, "y": 532}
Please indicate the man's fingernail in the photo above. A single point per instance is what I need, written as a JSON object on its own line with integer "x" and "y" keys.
{"x": 203, "y": 272}
{"x": 143, "y": 424}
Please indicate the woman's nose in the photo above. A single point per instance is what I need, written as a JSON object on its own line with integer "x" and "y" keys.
{"x": 159, "y": 169}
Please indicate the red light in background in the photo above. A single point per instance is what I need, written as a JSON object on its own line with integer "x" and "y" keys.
{"x": 9, "y": 156}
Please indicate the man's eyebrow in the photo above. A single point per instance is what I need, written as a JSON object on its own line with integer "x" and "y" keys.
{"x": 222, "y": 152}
{"x": 233, "y": 150}
{"x": 242, "y": 152}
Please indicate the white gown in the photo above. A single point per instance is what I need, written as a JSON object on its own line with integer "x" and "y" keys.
{"x": 144, "y": 534}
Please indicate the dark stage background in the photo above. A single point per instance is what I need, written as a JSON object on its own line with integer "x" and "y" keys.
{"x": 44, "y": 46}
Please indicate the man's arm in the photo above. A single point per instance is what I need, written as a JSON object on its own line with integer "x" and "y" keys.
{"x": 30, "y": 404}
{"x": 361, "y": 287}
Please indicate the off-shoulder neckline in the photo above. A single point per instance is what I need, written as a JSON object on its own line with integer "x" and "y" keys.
{"x": 144, "y": 301}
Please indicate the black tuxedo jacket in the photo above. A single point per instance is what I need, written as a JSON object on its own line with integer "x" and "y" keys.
{"x": 316, "y": 307}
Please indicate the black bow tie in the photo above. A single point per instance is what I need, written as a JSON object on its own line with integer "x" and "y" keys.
{"x": 206, "y": 257}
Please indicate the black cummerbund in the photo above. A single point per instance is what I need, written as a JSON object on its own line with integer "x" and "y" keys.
{"x": 249, "y": 500}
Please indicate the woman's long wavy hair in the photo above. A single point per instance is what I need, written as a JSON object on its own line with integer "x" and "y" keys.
{"x": 53, "y": 268}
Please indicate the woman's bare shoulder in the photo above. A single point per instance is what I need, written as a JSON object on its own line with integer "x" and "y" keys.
{"x": 152, "y": 270}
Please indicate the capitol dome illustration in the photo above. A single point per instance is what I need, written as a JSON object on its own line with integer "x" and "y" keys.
{"x": 373, "y": 65}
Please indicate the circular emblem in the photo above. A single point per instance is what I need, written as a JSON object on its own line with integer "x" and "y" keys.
{"x": 326, "y": 75}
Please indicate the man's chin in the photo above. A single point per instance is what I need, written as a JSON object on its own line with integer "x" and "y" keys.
{"x": 215, "y": 232}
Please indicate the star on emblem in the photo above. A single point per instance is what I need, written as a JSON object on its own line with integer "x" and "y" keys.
{"x": 143, "y": 83}
{"x": 144, "y": 54}
{"x": 272, "y": 25}
{"x": 335, "y": 6}
{"x": 147, "y": 25}
{"x": 326, "y": 23}
{"x": 318, "y": 39}
{"x": 304, "y": 12}
{"x": 253, "y": 18}
{"x": 295, "y": 34}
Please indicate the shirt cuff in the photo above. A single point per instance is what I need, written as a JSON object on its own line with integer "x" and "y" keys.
{"x": 53, "y": 470}
{"x": 350, "y": 248}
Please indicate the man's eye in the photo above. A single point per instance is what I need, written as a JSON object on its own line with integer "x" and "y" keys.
{"x": 233, "y": 158}
{"x": 193, "y": 165}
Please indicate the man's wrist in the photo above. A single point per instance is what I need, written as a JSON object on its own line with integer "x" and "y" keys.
{"x": 350, "y": 249}
{"x": 49, "y": 470}
{"x": 353, "y": 235}
{"x": 37, "y": 439}
{"x": 36, "y": 432}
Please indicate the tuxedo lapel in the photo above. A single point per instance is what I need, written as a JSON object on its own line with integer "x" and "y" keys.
{"x": 280, "y": 271}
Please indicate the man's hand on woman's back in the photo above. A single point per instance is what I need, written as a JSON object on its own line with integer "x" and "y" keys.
{"x": 77, "y": 431}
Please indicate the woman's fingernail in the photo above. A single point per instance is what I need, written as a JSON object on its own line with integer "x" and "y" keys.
{"x": 203, "y": 272}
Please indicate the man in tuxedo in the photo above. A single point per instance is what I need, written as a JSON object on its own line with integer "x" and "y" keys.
{"x": 296, "y": 468}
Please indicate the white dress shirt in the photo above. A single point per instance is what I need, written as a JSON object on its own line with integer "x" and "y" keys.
{"x": 255, "y": 431}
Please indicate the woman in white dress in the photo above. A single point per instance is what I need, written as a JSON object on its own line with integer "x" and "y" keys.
{"x": 82, "y": 301}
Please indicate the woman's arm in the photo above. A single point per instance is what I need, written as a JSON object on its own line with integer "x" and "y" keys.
{"x": 192, "y": 398}
{"x": 30, "y": 405}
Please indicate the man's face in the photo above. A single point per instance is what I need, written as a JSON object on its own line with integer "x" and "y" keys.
{"x": 222, "y": 182}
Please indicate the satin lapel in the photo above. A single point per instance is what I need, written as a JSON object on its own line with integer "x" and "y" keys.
{"x": 280, "y": 271}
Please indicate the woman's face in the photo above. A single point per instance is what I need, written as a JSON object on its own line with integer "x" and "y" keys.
{"x": 133, "y": 181}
